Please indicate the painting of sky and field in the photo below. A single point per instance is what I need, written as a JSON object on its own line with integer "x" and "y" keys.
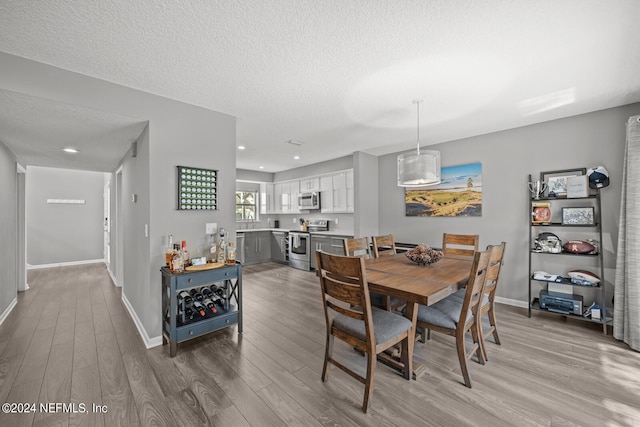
{"x": 458, "y": 194}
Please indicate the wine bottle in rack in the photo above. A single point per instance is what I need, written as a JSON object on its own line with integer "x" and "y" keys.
{"x": 188, "y": 314}
{"x": 210, "y": 305}
{"x": 206, "y": 292}
{"x": 218, "y": 290}
{"x": 218, "y": 301}
{"x": 197, "y": 296}
{"x": 199, "y": 308}
{"x": 184, "y": 297}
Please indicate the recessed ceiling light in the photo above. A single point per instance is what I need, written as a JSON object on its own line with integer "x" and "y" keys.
{"x": 296, "y": 157}
{"x": 241, "y": 147}
{"x": 70, "y": 150}
{"x": 261, "y": 167}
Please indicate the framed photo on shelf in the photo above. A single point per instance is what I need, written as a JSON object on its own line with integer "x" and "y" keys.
{"x": 578, "y": 216}
{"x": 557, "y": 181}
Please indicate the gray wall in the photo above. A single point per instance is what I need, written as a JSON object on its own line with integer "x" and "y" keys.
{"x": 64, "y": 233}
{"x": 507, "y": 158}
{"x": 8, "y": 227}
{"x": 178, "y": 134}
{"x": 366, "y": 195}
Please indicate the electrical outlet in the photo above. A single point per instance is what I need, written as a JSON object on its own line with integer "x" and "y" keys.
{"x": 211, "y": 228}
{"x": 336, "y": 221}
{"x": 295, "y": 220}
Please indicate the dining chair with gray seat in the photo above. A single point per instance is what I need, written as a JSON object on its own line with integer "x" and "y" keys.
{"x": 359, "y": 247}
{"x": 488, "y": 304}
{"x": 350, "y": 317}
{"x": 449, "y": 317}
{"x": 386, "y": 246}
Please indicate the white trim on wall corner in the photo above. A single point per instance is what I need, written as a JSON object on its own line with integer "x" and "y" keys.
{"x": 513, "y": 302}
{"x": 6, "y": 313}
{"x": 64, "y": 264}
{"x": 148, "y": 342}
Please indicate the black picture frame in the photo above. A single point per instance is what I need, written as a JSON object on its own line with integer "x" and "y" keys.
{"x": 197, "y": 189}
{"x": 583, "y": 215}
{"x": 557, "y": 181}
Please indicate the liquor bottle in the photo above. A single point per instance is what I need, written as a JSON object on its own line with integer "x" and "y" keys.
{"x": 198, "y": 307}
{"x": 210, "y": 305}
{"x": 231, "y": 254}
{"x": 177, "y": 264}
{"x": 169, "y": 253}
{"x": 197, "y": 296}
{"x": 185, "y": 253}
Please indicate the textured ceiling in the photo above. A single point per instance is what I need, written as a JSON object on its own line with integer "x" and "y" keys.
{"x": 340, "y": 75}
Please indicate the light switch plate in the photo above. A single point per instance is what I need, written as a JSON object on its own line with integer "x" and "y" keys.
{"x": 211, "y": 228}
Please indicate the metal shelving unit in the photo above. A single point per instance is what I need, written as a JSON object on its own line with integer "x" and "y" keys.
{"x": 598, "y": 292}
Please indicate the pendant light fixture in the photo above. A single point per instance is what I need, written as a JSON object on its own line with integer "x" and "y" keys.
{"x": 419, "y": 168}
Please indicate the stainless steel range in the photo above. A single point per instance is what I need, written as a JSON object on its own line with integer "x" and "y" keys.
{"x": 300, "y": 244}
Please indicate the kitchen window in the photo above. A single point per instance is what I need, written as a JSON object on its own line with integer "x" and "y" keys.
{"x": 246, "y": 205}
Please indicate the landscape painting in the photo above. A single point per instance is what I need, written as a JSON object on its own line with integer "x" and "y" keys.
{"x": 458, "y": 194}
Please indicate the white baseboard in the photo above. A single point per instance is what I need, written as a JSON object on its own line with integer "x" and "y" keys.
{"x": 6, "y": 313}
{"x": 113, "y": 278}
{"x": 513, "y": 302}
{"x": 148, "y": 342}
{"x": 64, "y": 264}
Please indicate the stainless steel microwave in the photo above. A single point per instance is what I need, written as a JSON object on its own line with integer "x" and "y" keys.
{"x": 308, "y": 201}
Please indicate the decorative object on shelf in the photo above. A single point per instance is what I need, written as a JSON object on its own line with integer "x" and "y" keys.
{"x": 540, "y": 213}
{"x": 557, "y": 181}
{"x": 578, "y": 216}
{"x": 578, "y": 247}
{"x": 460, "y": 194}
{"x": 584, "y": 275}
{"x": 419, "y": 169}
{"x": 537, "y": 188}
{"x": 423, "y": 254}
{"x": 598, "y": 177}
{"x": 197, "y": 189}
{"x": 577, "y": 187}
{"x": 548, "y": 242}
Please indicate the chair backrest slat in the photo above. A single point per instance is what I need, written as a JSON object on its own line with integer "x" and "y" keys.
{"x": 460, "y": 244}
{"x": 357, "y": 247}
{"x": 386, "y": 243}
{"x": 475, "y": 287}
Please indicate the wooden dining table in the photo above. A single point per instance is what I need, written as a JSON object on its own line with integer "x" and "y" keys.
{"x": 399, "y": 277}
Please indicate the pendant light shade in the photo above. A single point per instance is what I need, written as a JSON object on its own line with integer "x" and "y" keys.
{"x": 419, "y": 168}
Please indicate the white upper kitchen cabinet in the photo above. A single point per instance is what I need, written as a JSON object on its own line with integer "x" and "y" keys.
{"x": 309, "y": 184}
{"x": 337, "y": 192}
{"x": 267, "y": 205}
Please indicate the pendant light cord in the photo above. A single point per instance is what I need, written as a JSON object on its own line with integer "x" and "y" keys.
{"x": 417, "y": 102}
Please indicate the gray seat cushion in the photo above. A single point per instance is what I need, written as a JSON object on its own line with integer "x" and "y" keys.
{"x": 386, "y": 325}
{"x": 444, "y": 313}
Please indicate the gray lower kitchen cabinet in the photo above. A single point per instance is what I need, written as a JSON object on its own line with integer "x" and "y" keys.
{"x": 332, "y": 244}
{"x": 240, "y": 257}
{"x": 257, "y": 247}
{"x": 279, "y": 247}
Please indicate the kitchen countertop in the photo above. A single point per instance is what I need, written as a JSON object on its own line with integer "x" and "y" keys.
{"x": 324, "y": 233}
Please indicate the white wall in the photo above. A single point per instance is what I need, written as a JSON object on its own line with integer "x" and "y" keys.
{"x": 64, "y": 233}
{"x": 507, "y": 158}
{"x": 8, "y": 227}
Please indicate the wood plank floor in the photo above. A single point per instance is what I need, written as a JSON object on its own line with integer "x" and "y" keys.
{"x": 70, "y": 340}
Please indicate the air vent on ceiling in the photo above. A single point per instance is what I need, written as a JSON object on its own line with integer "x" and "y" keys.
{"x": 294, "y": 142}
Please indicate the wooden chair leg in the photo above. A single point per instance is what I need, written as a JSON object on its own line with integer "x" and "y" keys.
{"x": 462, "y": 357}
{"x": 368, "y": 386}
{"x": 476, "y": 334}
{"x": 328, "y": 353}
{"x": 406, "y": 355}
{"x": 423, "y": 332}
{"x": 494, "y": 325}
